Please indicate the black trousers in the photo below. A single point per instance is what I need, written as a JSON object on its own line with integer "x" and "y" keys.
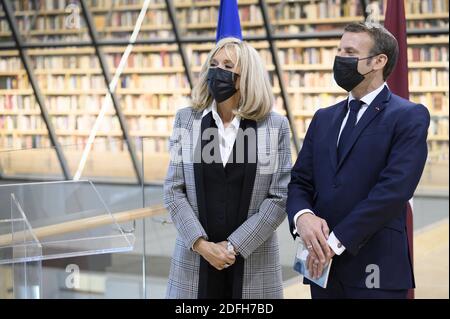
{"x": 219, "y": 284}
{"x": 337, "y": 290}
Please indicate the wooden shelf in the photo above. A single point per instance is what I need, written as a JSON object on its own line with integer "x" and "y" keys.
{"x": 442, "y": 138}
{"x": 60, "y": 132}
{"x": 180, "y": 69}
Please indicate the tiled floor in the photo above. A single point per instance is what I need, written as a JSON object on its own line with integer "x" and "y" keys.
{"x": 431, "y": 247}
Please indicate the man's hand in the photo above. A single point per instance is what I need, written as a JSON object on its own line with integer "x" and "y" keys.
{"x": 216, "y": 254}
{"x": 315, "y": 267}
{"x": 314, "y": 232}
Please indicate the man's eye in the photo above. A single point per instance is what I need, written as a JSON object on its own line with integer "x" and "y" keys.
{"x": 229, "y": 66}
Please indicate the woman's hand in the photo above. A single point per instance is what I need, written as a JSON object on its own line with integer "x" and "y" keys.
{"x": 216, "y": 254}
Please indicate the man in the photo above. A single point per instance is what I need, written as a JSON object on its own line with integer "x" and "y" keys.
{"x": 360, "y": 163}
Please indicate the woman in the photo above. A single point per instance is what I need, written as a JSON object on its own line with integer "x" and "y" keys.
{"x": 226, "y": 186}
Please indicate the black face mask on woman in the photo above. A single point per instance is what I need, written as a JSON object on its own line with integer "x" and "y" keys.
{"x": 346, "y": 73}
{"x": 221, "y": 83}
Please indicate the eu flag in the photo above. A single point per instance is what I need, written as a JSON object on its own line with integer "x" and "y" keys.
{"x": 228, "y": 24}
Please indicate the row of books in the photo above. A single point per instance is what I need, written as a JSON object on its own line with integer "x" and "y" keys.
{"x": 436, "y": 102}
{"x": 156, "y": 102}
{"x": 147, "y": 60}
{"x": 25, "y": 5}
{"x": 428, "y": 78}
{"x": 84, "y": 123}
{"x": 290, "y": 56}
{"x": 428, "y": 53}
{"x": 129, "y": 18}
{"x": 21, "y": 122}
{"x": 307, "y": 56}
{"x": 77, "y": 143}
{"x": 70, "y": 82}
{"x": 93, "y": 103}
{"x": 438, "y": 126}
{"x": 198, "y": 58}
{"x": 14, "y": 82}
{"x": 150, "y": 124}
{"x": 249, "y": 13}
{"x": 10, "y": 142}
{"x": 154, "y": 82}
{"x": 43, "y": 62}
{"x": 424, "y": 6}
{"x": 313, "y": 8}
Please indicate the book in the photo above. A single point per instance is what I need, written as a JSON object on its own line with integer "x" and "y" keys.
{"x": 301, "y": 267}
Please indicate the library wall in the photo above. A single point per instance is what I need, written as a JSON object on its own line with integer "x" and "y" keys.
{"x": 153, "y": 85}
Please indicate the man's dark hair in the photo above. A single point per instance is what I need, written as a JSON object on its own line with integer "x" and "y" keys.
{"x": 383, "y": 43}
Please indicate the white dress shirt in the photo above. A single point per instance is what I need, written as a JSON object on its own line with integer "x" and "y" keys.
{"x": 332, "y": 241}
{"x": 227, "y": 136}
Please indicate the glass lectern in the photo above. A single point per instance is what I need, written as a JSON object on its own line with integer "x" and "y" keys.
{"x": 50, "y": 220}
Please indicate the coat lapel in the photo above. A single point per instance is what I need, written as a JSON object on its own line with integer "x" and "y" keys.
{"x": 250, "y": 172}
{"x": 199, "y": 143}
{"x": 375, "y": 108}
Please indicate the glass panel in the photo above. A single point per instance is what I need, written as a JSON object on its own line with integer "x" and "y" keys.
{"x": 37, "y": 163}
{"x": 85, "y": 274}
{"x": 64, "y": 218}
{"x": 106, "y": 160}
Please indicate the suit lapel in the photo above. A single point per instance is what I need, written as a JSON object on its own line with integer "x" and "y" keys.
{"x": 334, "y": 132}
{"x": 375, "y": 108}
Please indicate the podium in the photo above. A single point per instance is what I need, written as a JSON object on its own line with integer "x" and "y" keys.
{"x": 52, "y": 220}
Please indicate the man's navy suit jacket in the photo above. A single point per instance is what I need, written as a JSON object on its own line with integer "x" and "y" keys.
{"x": 363, "y": 197}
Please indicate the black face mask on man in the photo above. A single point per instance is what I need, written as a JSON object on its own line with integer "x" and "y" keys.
{"x": 346, "y": 73}
{"x": 221, "y": 83}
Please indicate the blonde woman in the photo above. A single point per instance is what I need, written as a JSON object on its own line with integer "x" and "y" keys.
{"x": 226, "y": 186}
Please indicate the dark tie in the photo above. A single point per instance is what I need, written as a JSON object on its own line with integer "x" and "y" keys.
{"x": 355, "y": 106}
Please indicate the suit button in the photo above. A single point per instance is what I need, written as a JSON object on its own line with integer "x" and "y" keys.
{"x": 336, "y": 185}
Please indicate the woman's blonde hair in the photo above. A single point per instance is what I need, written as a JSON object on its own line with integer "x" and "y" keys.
{"x": 256, "y": 97}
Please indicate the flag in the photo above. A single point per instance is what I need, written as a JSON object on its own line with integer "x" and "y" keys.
{"x": 395, "y": 22}
{"x": 228, "y": 24}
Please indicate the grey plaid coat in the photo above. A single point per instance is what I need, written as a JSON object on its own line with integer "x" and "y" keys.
{"x": 255, "y": 239}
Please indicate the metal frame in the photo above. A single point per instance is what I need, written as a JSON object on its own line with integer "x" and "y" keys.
{"x": 107, "y": 76}
{"x": 278, "y": 72}
{"x": 172, "y": 16}
{"x": 37, "y": 92}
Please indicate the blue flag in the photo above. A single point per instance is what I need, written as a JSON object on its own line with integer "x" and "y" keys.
{"x": 228, "y": 24}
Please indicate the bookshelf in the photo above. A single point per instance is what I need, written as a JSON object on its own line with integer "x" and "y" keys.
{"x": 153, "y": 84}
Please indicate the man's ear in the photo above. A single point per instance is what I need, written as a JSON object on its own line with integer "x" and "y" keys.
{"x": 380, "y": 61}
